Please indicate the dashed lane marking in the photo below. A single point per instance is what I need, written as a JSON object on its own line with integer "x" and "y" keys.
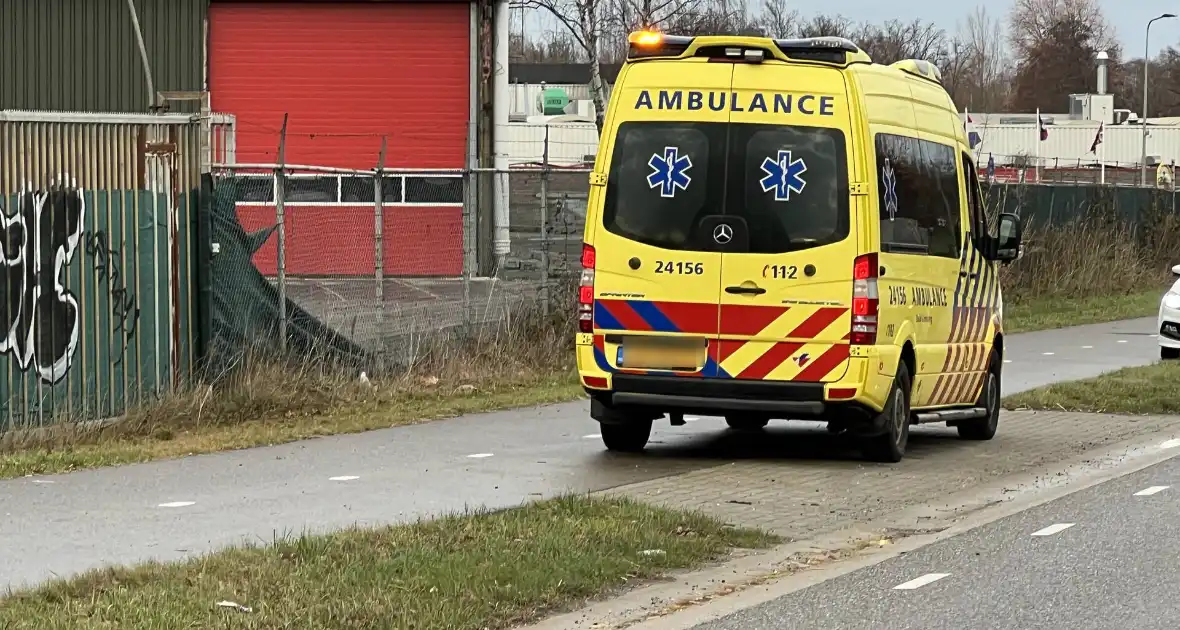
{"x": 344, "y": 478}
{"x": 1170, "y": 444}
{"x": 480, "y": 455}
{"x": 1053, "y": 529}
{"x": 919, "y": 582}
{"x": 177, "y": 504}
{"x": 1146, "y": 492}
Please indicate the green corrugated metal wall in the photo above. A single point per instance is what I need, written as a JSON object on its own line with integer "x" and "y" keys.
{"x": 81, "y": 55}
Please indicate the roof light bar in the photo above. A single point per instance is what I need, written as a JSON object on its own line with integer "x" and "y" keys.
{"x": 825, "y": 42}
{"x": 656, "y": 44}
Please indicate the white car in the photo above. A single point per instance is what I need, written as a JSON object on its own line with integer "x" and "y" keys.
{"x": 1169, "y": 321}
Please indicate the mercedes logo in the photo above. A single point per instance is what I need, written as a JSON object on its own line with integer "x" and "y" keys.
{"x": 723, "y": 233}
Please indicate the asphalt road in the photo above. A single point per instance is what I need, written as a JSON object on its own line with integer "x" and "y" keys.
{"x": 1103, "y": 558}
{"x": 63, "y": 524}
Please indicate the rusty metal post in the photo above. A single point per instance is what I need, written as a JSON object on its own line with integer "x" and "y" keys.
{"x": 545, "y": 225}
{"x": 281, "y": 220}
{"x": 379, "y": 249}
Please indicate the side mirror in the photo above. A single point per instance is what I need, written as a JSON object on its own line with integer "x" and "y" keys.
{"x": 1007, "y": 247}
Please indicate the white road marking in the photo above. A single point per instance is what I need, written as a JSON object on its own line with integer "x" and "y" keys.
{"x": 479, "y": 455}
{"x": 1087, "y": 347}
{"x": 691, "y": 418}
{"x": 1122, "y": 341}
{"x": 1146, "y": 492}
{"x": 42, "y": 481}
{"x": 1053, "y": 529}
{"x": 920, "y": 581}
{"x": 1048, "y": 354}
{"x": 343, "y": 478}
{"x": 592, "y": 436}
{"x": 1007, "y": 360}
{"x": 177, "y": 504}
{"x": 1170, "y": 444}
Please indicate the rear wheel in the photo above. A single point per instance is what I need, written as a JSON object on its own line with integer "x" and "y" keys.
{"x": 1169, "y": 354}
{"x": 630, "y": 437}
{"x": 889, "y": 446}
{"x": 985, "y": 428}
{"x": 743, "y": 422}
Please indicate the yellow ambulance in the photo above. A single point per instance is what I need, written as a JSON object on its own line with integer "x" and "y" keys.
{"x": 782, "y": 229}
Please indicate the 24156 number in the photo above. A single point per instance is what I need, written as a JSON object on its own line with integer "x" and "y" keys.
{"x": 680, "y": 267}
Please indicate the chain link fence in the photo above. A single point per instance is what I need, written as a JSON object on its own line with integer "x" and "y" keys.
{"x": 371, "y": 261}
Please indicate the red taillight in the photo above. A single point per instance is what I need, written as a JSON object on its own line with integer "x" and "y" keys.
{"x": 865, "y": 303}
{"x": 588, "y": 258}
{"x": 596, "y": 382}
{"x": 863, "y": 268}
{"x": 586, "y": 291}
{"x": 841, "y": 393}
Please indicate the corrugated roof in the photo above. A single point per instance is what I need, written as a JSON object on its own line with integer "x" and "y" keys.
{"x": 570, "y": 73}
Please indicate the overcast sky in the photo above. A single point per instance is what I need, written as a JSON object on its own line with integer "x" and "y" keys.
{"x": 1129, "y": 17}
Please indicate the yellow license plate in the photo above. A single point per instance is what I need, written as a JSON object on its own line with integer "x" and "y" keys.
{"x": 655, "y": 354}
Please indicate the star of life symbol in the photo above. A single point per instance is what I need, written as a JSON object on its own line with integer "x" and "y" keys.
{"x": 783, "y": 175}
{"x": 889, "y": 181}
{"x": 802, "y": 359}
{"x": 669, "y": 171}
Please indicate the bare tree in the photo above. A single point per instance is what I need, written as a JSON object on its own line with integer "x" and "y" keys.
{"x": 1055, "y": 42}
{"x": 583, "y": 20}
{"x": 778, "y": 19}
{"x": 979, "y": 72}
{"x": 1032, "y": 23}
{"x": 716, "y": 17}
{"x": 896, "y": 40}
{"x": 556, "y": 48}
{"x": 827, "y": 25}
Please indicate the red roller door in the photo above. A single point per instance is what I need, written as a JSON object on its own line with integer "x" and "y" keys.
{"x": 346, "y": 73}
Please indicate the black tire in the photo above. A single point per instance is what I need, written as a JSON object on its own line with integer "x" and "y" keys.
{"x": 742, "y": 422}
{"x": 985, "y": 428}
{"x": 889, "y": 447}
{"x": 1169, "y": 354}
{"x": 627, "y": 437}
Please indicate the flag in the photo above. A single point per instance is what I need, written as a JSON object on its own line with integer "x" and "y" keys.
{"x": 1097, "y": 139}
{"x": 973, "y": 137}
{"x": 1041, "y": 127}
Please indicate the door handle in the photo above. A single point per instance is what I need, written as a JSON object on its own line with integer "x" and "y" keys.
{"x": 745, "y": 290}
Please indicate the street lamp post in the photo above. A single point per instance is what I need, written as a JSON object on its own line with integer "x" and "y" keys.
{"x": 1146, "y": 63}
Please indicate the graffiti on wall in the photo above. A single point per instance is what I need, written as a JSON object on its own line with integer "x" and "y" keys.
{"x": 124, "y": 307}
{"x": 39, "y": 316}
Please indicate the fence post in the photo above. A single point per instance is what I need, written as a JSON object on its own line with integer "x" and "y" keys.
{"x": 470, "y": 224}
{"x": 281, "y": 219}
{"x": 545, "y": 225}
{"x": 379, "y": 249}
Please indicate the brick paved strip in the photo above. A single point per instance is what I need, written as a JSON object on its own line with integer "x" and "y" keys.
{"x": 804, "y": 483}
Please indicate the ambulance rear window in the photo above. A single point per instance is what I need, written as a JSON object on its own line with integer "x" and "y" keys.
{"x": 664, "y": 177}
{"x": 788, "y": 183}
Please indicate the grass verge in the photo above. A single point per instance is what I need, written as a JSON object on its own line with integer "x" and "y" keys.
{"x": 1149, "y": 389}
{"x": 1061, "y": 311}
{"x": 71, "y": 447}
{"x": 464, "y": 572}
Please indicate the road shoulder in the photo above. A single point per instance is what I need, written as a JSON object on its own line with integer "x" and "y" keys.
{"x": 691, "y": 598}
